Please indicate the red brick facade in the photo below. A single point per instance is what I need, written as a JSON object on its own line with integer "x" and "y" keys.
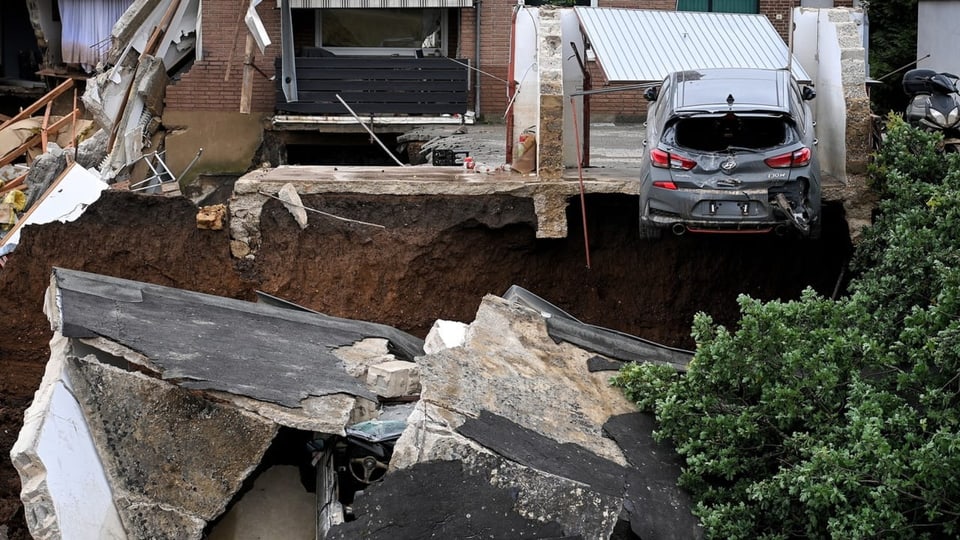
{"x": 204, "y": 86}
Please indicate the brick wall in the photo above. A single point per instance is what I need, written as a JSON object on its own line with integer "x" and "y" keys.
{"x": 203, "y": 87}
{"x": 778, "y": 8}
{"x": 627, "y": 105}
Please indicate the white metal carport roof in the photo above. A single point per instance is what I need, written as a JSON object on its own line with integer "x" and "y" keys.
{"x": 634, "y": 45}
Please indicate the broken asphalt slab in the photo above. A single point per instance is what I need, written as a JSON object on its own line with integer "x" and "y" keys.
{"x": 266, "y": 353}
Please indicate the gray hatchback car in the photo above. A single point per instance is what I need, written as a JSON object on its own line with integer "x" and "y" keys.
{"x": 730, "y": 151}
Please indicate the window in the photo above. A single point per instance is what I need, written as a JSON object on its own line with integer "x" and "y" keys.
{"x": 720, "y": 6}
{"x": 382, "y": 31}
{"x": 717, "y": 133}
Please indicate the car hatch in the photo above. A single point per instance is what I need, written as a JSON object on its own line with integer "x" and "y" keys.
{"x": 731, "y": 150}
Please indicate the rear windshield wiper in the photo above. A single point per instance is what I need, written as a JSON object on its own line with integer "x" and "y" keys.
{"x": 742, "y": 149}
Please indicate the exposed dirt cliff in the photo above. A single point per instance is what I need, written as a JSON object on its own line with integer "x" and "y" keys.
{"x": 435, "y": 259}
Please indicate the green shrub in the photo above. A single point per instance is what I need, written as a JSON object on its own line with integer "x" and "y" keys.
{"x": 817, "y": 418}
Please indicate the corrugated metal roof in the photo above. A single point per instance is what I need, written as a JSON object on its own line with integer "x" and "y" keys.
{"x": 634, "y": 45}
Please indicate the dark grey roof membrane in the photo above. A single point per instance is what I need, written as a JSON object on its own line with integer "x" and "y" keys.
{"x": 562, "y": 326}
{"x": 209, "y": 342}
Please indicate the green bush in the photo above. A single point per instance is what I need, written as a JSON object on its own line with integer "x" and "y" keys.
{"x": 817, "y": 418}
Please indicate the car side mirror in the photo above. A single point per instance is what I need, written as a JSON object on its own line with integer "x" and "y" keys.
{"x": 808, "y": 93}
{"x": 652, "y": 93}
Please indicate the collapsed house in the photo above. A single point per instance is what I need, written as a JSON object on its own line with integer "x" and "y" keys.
{"x": 160, "y": 410}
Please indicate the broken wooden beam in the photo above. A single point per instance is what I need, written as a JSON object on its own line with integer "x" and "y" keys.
{"x": 33, "y": 141}
{"x": 15, "y": 183}
{"x": 50, "y": 96}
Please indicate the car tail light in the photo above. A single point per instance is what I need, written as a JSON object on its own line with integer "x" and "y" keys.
{"x": 797, "y": 158}
{"x": 665, "y": 184}
{"x": 666, "y": 160}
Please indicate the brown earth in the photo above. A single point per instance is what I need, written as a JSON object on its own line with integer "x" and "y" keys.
{"x": 435, "y": 259}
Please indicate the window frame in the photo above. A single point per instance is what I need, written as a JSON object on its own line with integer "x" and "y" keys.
{"x": 442, "y": 50}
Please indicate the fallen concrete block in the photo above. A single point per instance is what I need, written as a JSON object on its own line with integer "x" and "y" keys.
{"x": 291, "y": 199}
{"x": 445, "y": 335}
{"x": 394, "y": 379}
{"x": 358, "y": 357}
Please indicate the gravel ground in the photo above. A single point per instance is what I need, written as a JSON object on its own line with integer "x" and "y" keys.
{"x": 611, "y": 145}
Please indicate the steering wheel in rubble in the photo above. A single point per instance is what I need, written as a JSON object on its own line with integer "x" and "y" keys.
{"x": 367, "y": 469}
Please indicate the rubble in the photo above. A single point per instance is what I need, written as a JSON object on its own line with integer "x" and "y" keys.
{"x": 509, "y": 440}
{"x": 63, "y": 200}
{"x": 512, "y": 436}
{"x": 212, "y": 217}
{"x": 394, "y": 379}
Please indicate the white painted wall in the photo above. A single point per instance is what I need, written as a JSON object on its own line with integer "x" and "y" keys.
{"x": 818, "y": 47}
{"x": 74, "y": 190}
{"x": 938, "y": 34}
{"x": 526, "y": 107}
{"x": 572, "y": 82}
{"x": 65, "y": 490}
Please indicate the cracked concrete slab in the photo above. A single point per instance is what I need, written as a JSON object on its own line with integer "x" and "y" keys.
{"x": 158, "y": 403}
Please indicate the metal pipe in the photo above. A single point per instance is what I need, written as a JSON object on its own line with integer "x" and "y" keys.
{"x": 370, "y": 131}
{"x": 511, "y": 84}
{"x": 583, "y": 200}
{"x": 476, "y": 32}
{"x": 587, "y": 86}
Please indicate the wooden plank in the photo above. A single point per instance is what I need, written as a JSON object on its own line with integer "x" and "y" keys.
{"x": 50, "y": 96}
{"x": 43, "y": 127}
{"x": 12, "y": 155}
{"x": 246, "y": 84}
{"x": 15, "y": 183}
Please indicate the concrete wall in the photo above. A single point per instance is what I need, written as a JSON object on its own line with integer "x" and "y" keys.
{"x": 938, "y": 35}
{"x": 550, "y": 159}
{"x": 64, "y": 483}
{"x": 829, "y": 45}
{"x": 526, "y": 106}
{"x": 573, "y": 119}
{"x": 229, "y": 141}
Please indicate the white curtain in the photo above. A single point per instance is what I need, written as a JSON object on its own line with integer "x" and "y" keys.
{"x": 86, "y": 26}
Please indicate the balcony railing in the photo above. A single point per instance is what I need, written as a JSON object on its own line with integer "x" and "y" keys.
{"x": 377, "y": 85}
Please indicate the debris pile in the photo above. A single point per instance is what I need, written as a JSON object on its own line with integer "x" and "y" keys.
{"x": 501, "y": 430}
{"x": 43, "y": 154}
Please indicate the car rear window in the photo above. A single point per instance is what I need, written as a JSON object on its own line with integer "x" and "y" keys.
{"x": 716, "y": 133}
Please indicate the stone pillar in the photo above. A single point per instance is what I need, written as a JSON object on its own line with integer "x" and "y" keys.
{"x": 859, "y": 199}
{"x": 550, "y": 64}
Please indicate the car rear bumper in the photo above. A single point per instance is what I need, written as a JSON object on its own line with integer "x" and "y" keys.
{"x": 706, "y": 210}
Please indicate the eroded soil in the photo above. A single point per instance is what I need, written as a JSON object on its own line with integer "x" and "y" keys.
{"x": 435, "y": 259}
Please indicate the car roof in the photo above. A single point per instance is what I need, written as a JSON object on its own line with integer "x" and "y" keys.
{"x": 710, "y": 90}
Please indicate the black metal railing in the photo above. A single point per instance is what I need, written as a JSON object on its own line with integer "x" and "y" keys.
{"x": 377, "y": 85}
